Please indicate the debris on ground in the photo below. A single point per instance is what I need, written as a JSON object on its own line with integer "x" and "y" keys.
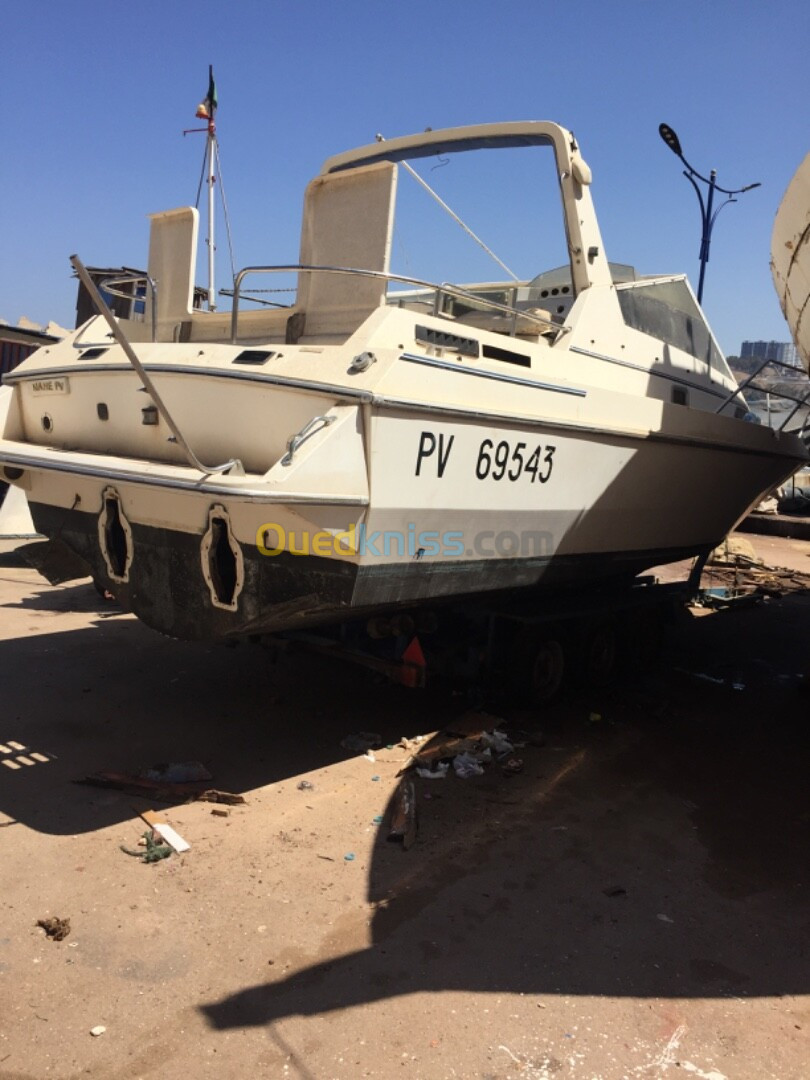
{"x": 761, "y": 580}
{"x": 155, "y": 848}
{"x": 734, "y": 550}
{"x": 466, "y": 765}
{"x": 360, "y": 742}
{"x": 176, "y": 772}
{"x": 470, "y": 743}
{"x": 725, "y": 596}
{"x": 136, "y": 784}
{"x": 410, "y": 744}
{"x": 55, "y": 929}
{"x": 99, "y": 1029}
{"x": 305, "y": 785}
{"x": 220, "y": 811}
{"x": 403, "y": 814}
{"x": 159, "y": 790}
{"x": 436, "y": 770}
{"x": 212, "y": 795}
{"x": 165, "y": 831}
{"x": 512, "y": 766}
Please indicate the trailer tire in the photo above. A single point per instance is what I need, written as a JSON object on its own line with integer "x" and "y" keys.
{"x": 539, "y": 667}
{"x": 601, "y": 653}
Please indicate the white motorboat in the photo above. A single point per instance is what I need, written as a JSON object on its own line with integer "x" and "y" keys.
{"x": 384, "y": 443}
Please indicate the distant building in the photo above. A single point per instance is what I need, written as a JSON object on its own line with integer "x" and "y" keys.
{"x": 18, "y": 342}
{"x": 784, "y": 352}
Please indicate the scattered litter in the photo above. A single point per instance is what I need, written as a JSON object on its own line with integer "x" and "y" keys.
{"x": 727, "y": 596}
{"x": 160, "y": 790}
{"x": 172, "y": 838}
{"x": 466, "y": 766}
{"x": 177, "y": 772}
{"x": 615, "y": 890}
{"x": 165, "y": 831}
{"x": 378, "y": 820}
{"x": 512, "y": 766}
{"x": 349, "y": 856}
{"x": 735, "y": 551}
{"x": 444, "y": 746}
{"x": 403, "y": 814}
{"x": 369, "y": 755}
{"x": 154, "y": 851}
{"x": 99, "y": 1029}
{"x": 212, "y": 795}
{"x": 665, "y": 918}
{"x": 361, "y": 741}
{"x": 375, "y": 778}
{"x": 497, "y": 742}
{"x": 326, "y": 858}
{"x": 410, "y": 744}
{"x": 437, "y": 770}
{"x": 305, "y": 785}
{"x": 470, "y": 743}
{"x": 220, "y": 811}
{"x": 56, "y": 929}
{"x": 595, "y": 718}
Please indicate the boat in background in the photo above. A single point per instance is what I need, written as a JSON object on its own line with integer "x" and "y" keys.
{"x": 384, "y": 443}
{"x": 790, "y": 258}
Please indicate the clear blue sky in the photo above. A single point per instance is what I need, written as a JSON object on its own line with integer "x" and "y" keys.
{"x": 96, "y": 96}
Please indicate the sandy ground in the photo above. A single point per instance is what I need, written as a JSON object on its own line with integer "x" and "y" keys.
{"x": 632, "y": 905}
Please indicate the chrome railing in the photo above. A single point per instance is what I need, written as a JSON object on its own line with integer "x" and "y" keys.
{"x": 113, "y": 287}
{"x": 800, "y": 400}
{"x": 439, "y": 291}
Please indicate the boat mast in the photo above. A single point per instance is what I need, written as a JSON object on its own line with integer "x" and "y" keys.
{"x": 212, "y": 295}
{"x": 206, "y": 110}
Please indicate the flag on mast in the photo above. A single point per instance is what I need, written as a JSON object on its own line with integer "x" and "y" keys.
{"x": 207, "y": 108}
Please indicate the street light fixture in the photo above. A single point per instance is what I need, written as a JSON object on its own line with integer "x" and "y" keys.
{"x": 708, "y": 217}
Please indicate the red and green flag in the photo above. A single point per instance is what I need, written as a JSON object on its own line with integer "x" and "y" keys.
{"x": 207, "y": 108}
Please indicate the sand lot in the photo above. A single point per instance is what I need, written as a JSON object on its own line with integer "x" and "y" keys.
{"x": 633, "y": 904}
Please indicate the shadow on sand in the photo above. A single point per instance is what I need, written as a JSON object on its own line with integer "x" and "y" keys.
{"x": 661, "y": 851}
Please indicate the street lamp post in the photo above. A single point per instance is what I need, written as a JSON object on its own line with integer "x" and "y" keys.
{"x": 708, "y": 215}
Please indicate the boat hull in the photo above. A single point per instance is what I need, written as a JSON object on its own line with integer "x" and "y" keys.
{"x": 440, "y": 524}
{"x": 166, "y": 590}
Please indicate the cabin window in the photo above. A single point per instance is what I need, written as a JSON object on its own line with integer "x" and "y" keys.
{"x": 666, "y": 310}
{"x": 680, "y": 395}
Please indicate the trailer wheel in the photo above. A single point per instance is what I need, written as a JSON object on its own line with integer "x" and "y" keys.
{"x": 601, "y": 654}
{"x": 540, "y": 667}
{"x": 645, "y": 639}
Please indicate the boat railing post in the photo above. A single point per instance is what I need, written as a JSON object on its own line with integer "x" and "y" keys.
{"x": 237, "y": 285}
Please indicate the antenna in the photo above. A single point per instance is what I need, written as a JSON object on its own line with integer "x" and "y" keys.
{"x": 206, "y": 110}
